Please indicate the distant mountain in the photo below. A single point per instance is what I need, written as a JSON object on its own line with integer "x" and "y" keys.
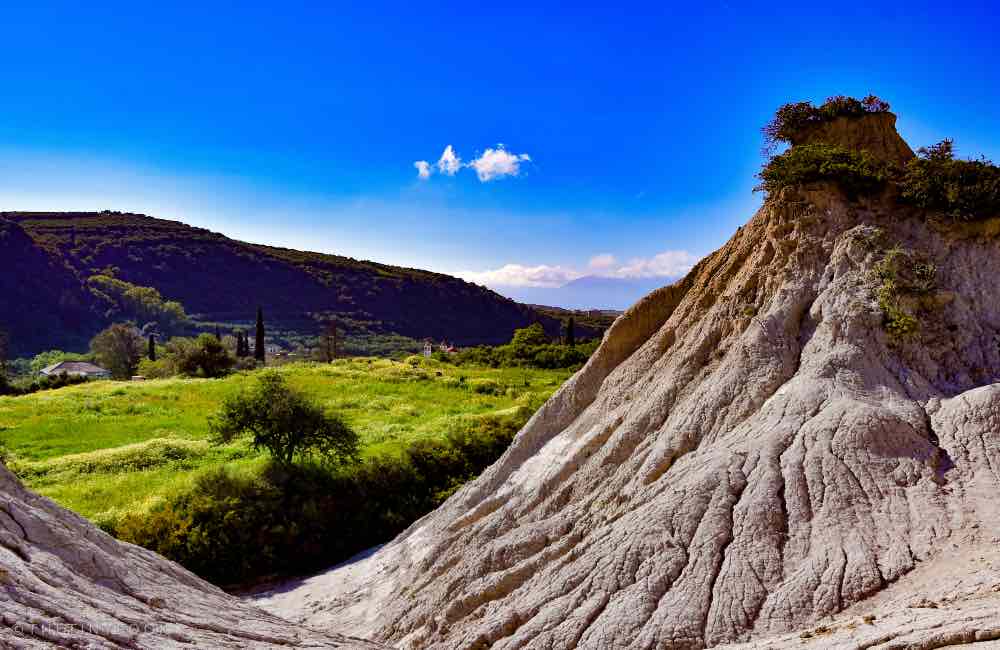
{"x": 46, "y": 300}
{"x": 589, "y": 292}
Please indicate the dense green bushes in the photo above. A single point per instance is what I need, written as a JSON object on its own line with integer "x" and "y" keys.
{"x": 26, "y": 387}
{"x": 857, "y": 173}
{"x": 529, "y": 347}
{"x": 548, "y": 355}
{"x": 292, "y": 520}
{"x": 966, "y": 190}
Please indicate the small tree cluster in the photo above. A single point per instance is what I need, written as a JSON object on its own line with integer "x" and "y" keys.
{"x": 205, "y": 356}
{"x": 793, "y": 120}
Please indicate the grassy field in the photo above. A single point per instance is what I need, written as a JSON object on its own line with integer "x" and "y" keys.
{"x": 106, "y": 448}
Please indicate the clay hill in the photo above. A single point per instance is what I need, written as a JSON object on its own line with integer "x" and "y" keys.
{"x": 46, "y": 301}
{"x": 796, "y": 445}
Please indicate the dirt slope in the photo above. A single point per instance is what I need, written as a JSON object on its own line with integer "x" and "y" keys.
{"x": 65, "y": 584}
{"x": 747, "y": 454}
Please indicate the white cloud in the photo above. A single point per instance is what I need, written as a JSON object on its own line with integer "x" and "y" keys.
{"x": 491, "y": 165}
{"x": 517, "y": 275}
{"x": 423, "y": 169}
{"x": 666, "y": 264}
{"x": 497, "y": 163}
{"x": 602, "y": 261}
{"x": 449, "y": 163}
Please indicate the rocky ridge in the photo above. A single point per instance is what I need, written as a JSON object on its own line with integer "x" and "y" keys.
{"x": 749, "y": 453}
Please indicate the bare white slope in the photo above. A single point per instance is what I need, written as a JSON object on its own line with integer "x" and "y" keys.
{"x": 66, "y": 584}
{"x": 747, "y": 454}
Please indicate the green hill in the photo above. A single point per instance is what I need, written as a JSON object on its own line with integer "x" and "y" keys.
{"x": 46, "y": 300}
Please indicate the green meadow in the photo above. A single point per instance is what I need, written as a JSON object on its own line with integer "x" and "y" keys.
{"x": 107, "y": 448}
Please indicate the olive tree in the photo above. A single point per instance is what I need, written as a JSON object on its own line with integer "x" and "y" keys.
{"x": 285, "y": 423}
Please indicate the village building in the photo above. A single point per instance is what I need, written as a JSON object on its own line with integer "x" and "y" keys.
{"x": 76, "y": 369}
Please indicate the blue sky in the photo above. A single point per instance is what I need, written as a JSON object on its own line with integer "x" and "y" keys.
{"x": 299, "y": 124}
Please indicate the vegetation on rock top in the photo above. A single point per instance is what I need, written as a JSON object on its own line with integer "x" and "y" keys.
{"x": 933, "y": 181}
{"x": 793, "y": 121}
{"x": 857, "y": 173}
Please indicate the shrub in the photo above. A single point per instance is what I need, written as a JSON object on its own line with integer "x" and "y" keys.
{"x": 903, "y": 277}
{"x": 792, "y": 121}
{"x": 293, "y": 520}
{"x": 486, "y": 387}
{"x": 856, "y": 173}
{"x": 285, "y": 423}
{"x": 204, "y": 356}
{"x": 160, "y": 369}
{"x": 966, "y": 190}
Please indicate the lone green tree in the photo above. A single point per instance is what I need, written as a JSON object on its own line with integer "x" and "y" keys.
{"x": 118, "y": 348}
{"x": 285, "y": 423}
{"x": 259, "y": 343}
{"x": 571, "y": 332}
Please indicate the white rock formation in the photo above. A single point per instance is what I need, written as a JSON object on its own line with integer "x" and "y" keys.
{"x": 66, "y": 584}
{"x": 746, "y": 455}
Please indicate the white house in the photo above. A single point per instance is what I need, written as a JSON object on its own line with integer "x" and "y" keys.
{"x": 76, "y": 369}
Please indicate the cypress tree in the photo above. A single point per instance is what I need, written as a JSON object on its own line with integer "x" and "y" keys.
{"x": 259, "y": 348}
{"x": 218, "y": 333}
{"x": 570, "y": 332}
{"x": 239, "y": 344}
{"x": 151, "y": 348}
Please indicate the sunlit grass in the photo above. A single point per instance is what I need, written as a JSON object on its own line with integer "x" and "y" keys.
{"x": 106, "y": 448}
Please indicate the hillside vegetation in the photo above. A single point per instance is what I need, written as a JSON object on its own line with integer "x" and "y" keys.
{"x": 77, "y": 271}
